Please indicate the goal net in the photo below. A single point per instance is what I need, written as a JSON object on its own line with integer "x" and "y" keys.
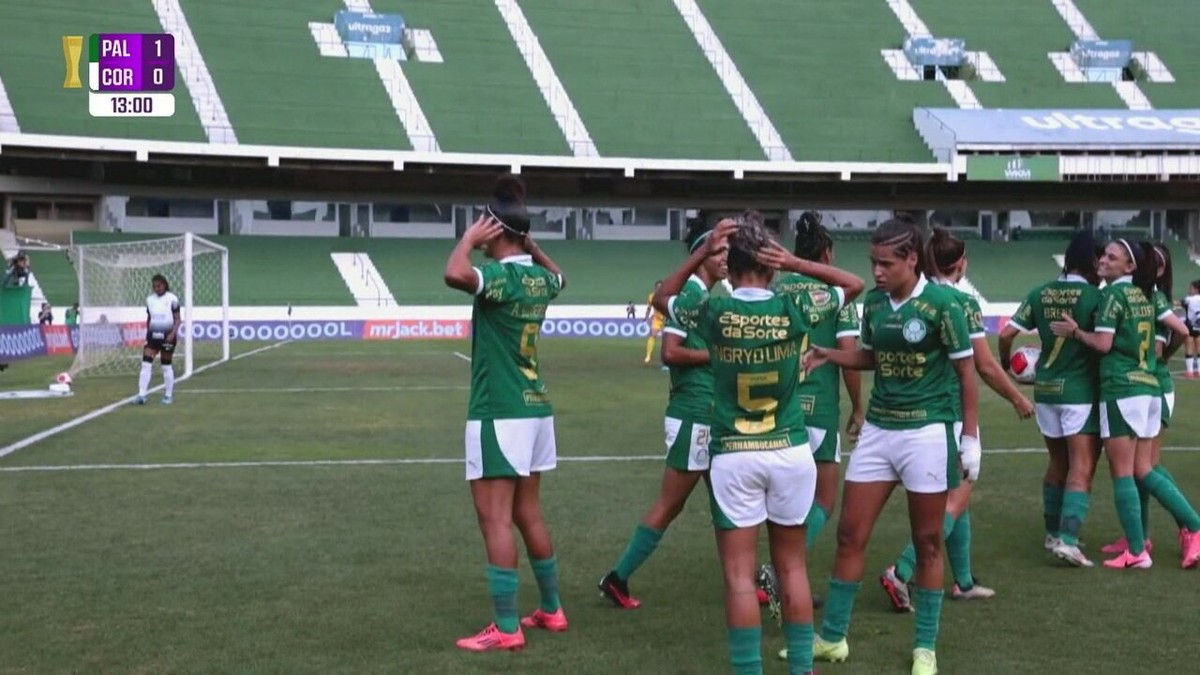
{"x": 114, "y": 282}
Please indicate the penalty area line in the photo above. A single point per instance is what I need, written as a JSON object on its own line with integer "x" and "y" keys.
{"x": 415, "y": 461}
{"x": 100, "y": 412}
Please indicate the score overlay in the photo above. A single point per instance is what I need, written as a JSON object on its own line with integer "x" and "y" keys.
{"x": 131, "y": 74}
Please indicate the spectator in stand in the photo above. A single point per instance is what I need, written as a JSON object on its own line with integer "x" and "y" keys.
{"x": 72, "y": 316}
{"x": 630, "y": 311}
{"x": 17, "y": 273}
{"x": 46, "y": 316}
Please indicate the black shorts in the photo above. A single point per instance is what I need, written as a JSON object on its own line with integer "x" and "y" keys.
{"x": 1194, "y": 331}
{"x": 156, "y": 340}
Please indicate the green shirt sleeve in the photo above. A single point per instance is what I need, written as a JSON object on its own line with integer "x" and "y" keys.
{"x": 974, "y": 318}
{"x": 955, "y": 334}
{"x": 1023, "y": 317}
{"x": 495, "y": 283}
{"x": 1111, "y": 311}
{"x": 867, "y": 332}
{"x": 847, "y": 321}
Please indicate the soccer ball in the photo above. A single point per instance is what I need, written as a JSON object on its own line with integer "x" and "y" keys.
{"x": 1023, "y": 363}
{"x": 63, "y": 378}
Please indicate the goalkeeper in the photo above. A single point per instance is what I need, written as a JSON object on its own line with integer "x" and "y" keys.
{"x": 162, "y": 332}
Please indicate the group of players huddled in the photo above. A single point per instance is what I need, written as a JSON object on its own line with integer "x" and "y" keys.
{"x": 754, "y": 411}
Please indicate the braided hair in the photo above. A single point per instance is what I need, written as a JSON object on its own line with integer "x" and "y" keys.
{"x": 812, "y": 239}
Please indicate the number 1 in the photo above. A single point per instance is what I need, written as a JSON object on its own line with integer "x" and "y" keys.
{"x": 158, "y": 49}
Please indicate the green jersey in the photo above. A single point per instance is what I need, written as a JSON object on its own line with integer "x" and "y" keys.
{"x": 975, "y": 330}
{"x": 691, "y": 386}
{"x": 1067, "y": 372}
{"x": 754, "y": 340}
{"x": 1128, "y": 368}
{"x": 820, "y": 392}
{"x": 1162, "y": 334}
{"x": 914, "y": 343}
{"x": 510, "y": 305}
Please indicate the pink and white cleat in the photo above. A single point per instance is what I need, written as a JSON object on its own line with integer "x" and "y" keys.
{"x": 1121, "y": 545}
{"x": 1128, "y": 560}
{"x": 555, "y": 622}
{"x": 490, "y": 639}
{"x": 1190, "y": 543}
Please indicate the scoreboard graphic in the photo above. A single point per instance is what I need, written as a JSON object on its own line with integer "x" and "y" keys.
{"x": 129, "y": 74}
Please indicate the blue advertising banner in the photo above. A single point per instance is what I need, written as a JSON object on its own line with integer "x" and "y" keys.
{"x": 371, "y": 36}
{"x": 1102, "y": 53}
{"x": 950, "y": 128}
{"x": 930, "y": 51}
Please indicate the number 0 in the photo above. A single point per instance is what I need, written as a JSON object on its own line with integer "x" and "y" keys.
{"x": 157, "y": 76}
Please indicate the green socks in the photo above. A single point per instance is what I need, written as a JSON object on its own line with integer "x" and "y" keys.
{"x": 1074, "y": 512}
{"x": 546, "y": 573}
{"x": 1172, "y": 500}
{"x": 502, "y": 586}
{"x": 1052, "y": 507}
{"x": 929, "y": 616}
{"x": 958, "y": 551}
{"x": 1144, "y": 501}
{"x": 1125, "y": 495}
{"x": 838, "y": 606}
{"x": 799, "y": 637}
{"x": 644, "y": 541}
{"x": 906, "y": 564}
{"x": 817, "y": 516}
{"x": 745, "y": 650}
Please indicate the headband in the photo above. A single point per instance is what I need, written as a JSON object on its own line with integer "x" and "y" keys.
{"x": 1161, "y": 258}
{"x": 699, "y": 240}
{"x": 500, "y": 220}
{"x": 1129, "y": 250}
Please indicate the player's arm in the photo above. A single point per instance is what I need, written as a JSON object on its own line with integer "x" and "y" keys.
{"x": 175, "y": 322}
{"x": 853, "y": 380}
{"x": 460, "y": 274}
{"x": 1007, "y": 335}
{"x": 1100, "y": 341}
{"x": 675, "y": 354}
{"x": 674, "y": 283}
{"x": 778, "y": 257}
{"x": 539, "y": 256}
{"x": 854, "y": 359}
{"x": 993, "y": 375}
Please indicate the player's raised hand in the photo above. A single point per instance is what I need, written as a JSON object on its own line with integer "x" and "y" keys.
{"x": 817, "y": 357}
{"x": 774, "y": 256}
{"x": 483, "y": 230}
{"x": 719, "y": 239}
{"x": 1065, "y": 327}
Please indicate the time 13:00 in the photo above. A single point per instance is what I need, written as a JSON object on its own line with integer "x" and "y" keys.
{"x": 132, "y": 105}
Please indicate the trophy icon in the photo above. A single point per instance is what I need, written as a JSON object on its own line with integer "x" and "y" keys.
{"x": 72, "y": 51}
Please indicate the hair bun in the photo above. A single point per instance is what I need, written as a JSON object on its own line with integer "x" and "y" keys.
{"x": 509, "y": 188}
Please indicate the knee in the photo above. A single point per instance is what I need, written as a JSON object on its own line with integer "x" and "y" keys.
{"x": 928, "y": 545}
{"x": 851, "y": 537}
{"x": 527, "y": 515}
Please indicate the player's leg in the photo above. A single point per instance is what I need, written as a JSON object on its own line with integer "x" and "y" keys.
{"x": 790, "y": 496}
{"x": 1165, "y": 491}
{"x": 870, "y": 478}
{"x": 686, "y": 463}
{"x": 166, "y": 357}
{"x": 1054, "y": 484}
{"x": 827, "y": 455}
{"x": 527, "y": 515}
{"x": 498, "y": 453}
{"x": 1083, "y": 451}
{"x": 1192, "y": 354}
{"x": 654, "y": 331}
{"x": 149, "y": 353}
{"x": 1120, "y": 445}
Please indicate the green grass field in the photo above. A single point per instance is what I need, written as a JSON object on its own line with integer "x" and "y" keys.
{"x": 372, "y": 562}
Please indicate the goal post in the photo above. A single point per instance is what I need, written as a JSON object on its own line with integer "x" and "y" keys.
{"x": 114, "y": 282}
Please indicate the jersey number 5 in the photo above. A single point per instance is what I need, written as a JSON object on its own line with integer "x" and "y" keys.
{"x": 765, "y": 407}
{"x": 529, "y": 336}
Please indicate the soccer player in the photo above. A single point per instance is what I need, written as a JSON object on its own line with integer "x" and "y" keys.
{"x": 1191, "y": 316}
{"x": 656, "y": 319}
{"x": 947, "y": 259}
{"x": 819, "y": 391}
{"x": 915, "y": 338}
{"x": 686, "y": 423}
{"x": 1065, "y": 394}
{"x": 762, "y": 467}
{"x": 162, "y": 332}
{"x": 1169, "y": 335}
{"x": 1130, "y": 398}
{"x": 510, "y": 423}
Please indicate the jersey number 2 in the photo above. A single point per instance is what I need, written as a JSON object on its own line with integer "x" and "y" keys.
{"x": 765, "y": 406}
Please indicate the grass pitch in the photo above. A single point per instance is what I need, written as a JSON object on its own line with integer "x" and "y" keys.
{"x": 342, "y": 539}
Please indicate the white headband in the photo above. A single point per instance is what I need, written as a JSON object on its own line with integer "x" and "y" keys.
{"x": 1129, "y": 250}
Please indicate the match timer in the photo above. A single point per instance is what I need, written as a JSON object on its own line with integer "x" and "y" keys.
{"x": 131, "y": 75}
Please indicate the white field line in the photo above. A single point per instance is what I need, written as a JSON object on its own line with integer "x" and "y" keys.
{"x": 100, "y": 412}
{"x": 319, "y": 390}
{"x": 463, "y": 356}
{"x": 396, "y": 462}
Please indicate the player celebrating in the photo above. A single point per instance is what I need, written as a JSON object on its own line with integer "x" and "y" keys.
{"x": 1130, "y": 398}
{"x": 687, "y": 421}
{"x": 656, "y": 319}
{"x": 762, "y": 465}
{"x": 915, "y": 338}
{"x": 510, "y": 427}
{"x": 162, "y": 331}
{"x": 1065, "y": 394}
{"x": 1191, "y": 316}
{"x": 1169, "y": 335}
{"x": 947, "y": 258}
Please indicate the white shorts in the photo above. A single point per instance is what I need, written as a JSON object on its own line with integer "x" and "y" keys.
{"x": 1168, "y": 406}
{"x": 822, "y": 452}
{"x": 751, "y": 487}
{"x": 510, "y": 448}
{"x": 1139, "y": 416}
{"x": 1059, "y": 420}
{"x": 687, "y": 444}
{"x": 923, "y": 460}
